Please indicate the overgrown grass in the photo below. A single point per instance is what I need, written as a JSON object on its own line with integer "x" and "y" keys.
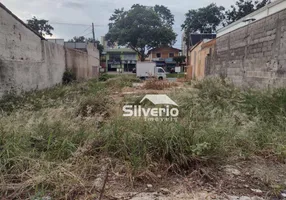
{"x": 51, "y": 143}
{"x": 216, "y": 121}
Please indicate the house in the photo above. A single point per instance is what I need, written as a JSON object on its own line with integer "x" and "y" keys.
{"x": 163, "y": 56}
{"x": 200, "y": 57}
{"x": 120, "y": 59}
{"x": 195, "y": 38}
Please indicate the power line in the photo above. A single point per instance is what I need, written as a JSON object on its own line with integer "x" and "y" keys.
{"x": 85, "y": 30}
{"x": 87, "y": 34}
{"x": 72, "y": 24}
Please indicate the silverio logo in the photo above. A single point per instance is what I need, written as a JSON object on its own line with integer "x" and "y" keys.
{"x": 162, "y": 108}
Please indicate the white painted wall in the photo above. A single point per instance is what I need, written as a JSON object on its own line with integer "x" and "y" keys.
{"x": 270, "y": 9}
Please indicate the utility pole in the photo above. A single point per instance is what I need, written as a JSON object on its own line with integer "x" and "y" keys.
{"x": 93, "y": 35}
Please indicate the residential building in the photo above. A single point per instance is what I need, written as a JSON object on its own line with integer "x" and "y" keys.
{"x": 195, "y": 38}
{"x": 163, "y": 56}
{"x": 200, "y": 57}
{"x": 121, "y": 59}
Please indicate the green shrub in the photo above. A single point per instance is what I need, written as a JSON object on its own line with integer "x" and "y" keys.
{"x": 69, "y": 77}
{"x": 104, "y": 77}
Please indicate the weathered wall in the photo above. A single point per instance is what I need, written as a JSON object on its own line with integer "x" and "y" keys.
{"x": 85, "y": 65}
{"x": 27, "y": 62}
{"x": 93, "y": 60}
{"x": 199, "y": 57}
{"x": 77, "y": 61}
{"x": 254, "y": 55}
{"x": 195, "y": 63}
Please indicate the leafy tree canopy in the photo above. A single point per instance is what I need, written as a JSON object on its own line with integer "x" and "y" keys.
{"x": 179, "y": 59}
{"x": 40, "y": 26}
{"x": 80, "y": 39}
{"x": 243, "y": 8}
{"x": 203, "y": 20}
{"x": 142, "y": 28}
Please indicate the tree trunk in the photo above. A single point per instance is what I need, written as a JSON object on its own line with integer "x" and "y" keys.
{"x": 142, "y": 56}
{"x": 188, "y": 48}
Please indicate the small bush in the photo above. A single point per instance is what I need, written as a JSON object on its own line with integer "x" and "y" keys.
{"x": 69, "y": 77}
{"x": 10, "y": 101}
{"x": 104, "y": 77}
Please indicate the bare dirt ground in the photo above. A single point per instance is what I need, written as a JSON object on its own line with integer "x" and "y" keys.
{"x": 252, "y": 179}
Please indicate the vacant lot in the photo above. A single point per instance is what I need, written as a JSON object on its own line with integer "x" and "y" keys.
{"x": 65, "y": 142}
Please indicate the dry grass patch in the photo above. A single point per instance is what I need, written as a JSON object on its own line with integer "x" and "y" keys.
{"x": 155, "y": 84}
{"x": 98, "y": 104}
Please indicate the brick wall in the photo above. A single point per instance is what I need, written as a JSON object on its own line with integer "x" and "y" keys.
{"x": 254, "y": 55}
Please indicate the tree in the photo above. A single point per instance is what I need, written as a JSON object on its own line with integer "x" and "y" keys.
{"x": 40, "y": 26}
{"x": 243, "y": 8}
{"x": 80, "y": 39}
{"x": 100, "y": 47}
{"x": 179, "y": 60}
{"x": 142, "y": 28}
{"x": 202, "y": 20}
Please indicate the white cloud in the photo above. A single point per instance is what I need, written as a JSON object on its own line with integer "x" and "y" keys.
{"x": 97, "y": 11}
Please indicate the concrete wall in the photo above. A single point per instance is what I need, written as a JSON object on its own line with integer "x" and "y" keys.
{"x": 27, "y": 62}
{"x": 254, "y": 55}
{"x": 93, "y": 61}
{"x": 272, "y": 8}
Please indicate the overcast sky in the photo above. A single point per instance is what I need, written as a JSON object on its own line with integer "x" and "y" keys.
{"x": 97, "y": 11}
